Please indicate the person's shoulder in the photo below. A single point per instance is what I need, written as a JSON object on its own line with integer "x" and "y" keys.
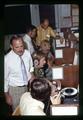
{"x": 25, "y": 37}
{"x": 50, "y": 28}
{"x": 27, "y": 52}
{"x": 25, "y": 96}
{"x": 24, "y": 99}
{"x": 9, "y": 54}
{"x": 39, "y": 27}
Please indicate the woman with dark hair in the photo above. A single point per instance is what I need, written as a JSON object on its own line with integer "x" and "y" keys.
{"x": 32, "y": 103}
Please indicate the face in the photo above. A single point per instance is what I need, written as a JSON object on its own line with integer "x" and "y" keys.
{"x": 45, "y": 47}
{"x": 42, "y": 62}
{"x": 45, "y": 24}
{"x": 33, "y": 33}
{"x": 18, "y": 46}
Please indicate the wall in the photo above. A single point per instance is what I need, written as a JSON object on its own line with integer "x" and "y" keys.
{"x": 62, "y": 13}
{"x": 35, "y": 19}
{"x": 16, "y": 18}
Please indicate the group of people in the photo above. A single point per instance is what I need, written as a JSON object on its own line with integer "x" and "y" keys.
{"x": 26, "y": 66}
{"x": 36, "y": 35}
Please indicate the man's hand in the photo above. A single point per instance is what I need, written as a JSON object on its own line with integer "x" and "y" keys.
{"x": 8, "y": 99}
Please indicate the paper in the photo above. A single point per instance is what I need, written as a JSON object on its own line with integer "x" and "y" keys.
{"x": 59, "y": 53}
{"x": 57, "y": 73}
{"x": 61, "y": 34}
{"x": 59, "y": 44}
{"x": 64, "y": 110}
{"x": 76, "y": 59}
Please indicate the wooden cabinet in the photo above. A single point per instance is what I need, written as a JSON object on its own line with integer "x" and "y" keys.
{"x": 71, "y": 76}
{"x": 68, "y": 57}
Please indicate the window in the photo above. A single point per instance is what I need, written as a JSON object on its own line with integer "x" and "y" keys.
{"x": 47, "y": 11}
{"x": 75, "y": 15}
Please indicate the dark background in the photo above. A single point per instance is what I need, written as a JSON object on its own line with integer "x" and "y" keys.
{"x": 16, "y": 19}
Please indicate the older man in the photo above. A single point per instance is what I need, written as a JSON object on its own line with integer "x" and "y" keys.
{"x": 18, "y": 68}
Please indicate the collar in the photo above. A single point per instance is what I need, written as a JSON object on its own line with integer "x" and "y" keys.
{"x": 16, "y": 54}
{"x": 28, "y": 37}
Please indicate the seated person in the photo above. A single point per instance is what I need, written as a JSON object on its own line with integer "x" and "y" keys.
{"x": 45, "y": 48}
{"x": 39, "y": 60}
{"x": 32, "y": 103}
{"x": 42, "y": 68}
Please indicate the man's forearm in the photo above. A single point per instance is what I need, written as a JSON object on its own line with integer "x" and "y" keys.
{"x": 6, "y": 94}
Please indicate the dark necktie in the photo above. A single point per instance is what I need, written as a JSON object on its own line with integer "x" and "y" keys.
{"x": 24, "y": 73}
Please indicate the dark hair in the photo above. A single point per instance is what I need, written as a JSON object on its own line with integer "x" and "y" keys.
{"x": 15, "y": 37}
{"x": 40, "y": 89}
{"x": 30, "y": 28}
{"x": 43, "y": 19}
